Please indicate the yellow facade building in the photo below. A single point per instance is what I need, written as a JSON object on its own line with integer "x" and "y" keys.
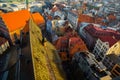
{"x": 112, "y": 59}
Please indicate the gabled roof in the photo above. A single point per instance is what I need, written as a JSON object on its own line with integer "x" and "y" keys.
{"x": 38, "y": 18}
{"x": 106, "y": 35}
{"x": 17, "y": 20}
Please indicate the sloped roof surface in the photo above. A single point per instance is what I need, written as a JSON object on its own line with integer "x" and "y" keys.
{"x": 17, "y": 20}
{"x": 38, "y": 18}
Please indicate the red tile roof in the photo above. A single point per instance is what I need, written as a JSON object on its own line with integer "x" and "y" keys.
{"x": 111, "y": 17}
{"x": 106, "y": 35}
{"x": 76, "y": 44}
{"x": 109, "y": 39}
{"x": 61, "y": 43}
{"x": 85, "y": 18}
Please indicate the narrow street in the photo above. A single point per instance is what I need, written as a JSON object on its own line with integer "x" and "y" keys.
{"x": 26, "y": 66}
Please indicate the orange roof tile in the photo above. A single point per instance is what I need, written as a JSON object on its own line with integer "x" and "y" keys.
{"x": 85, "y": 18}
{"x": 38, "y": 18}
{"x": 112, "y": 17}
{"x": 16, "y": 20}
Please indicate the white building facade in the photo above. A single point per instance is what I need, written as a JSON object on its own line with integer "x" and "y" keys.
{"x": 3, "y": 46}
{"x": 100, "y": 49}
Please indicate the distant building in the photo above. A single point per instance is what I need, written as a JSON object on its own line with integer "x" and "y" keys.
{"x": 57, "y": 11}
{"x": 100, "y": 49}
{"x": 4, "y": 45}
{"x": 90, "y": 33}
{"x": 69, "y": 44}
{"x": 85, "y": 18}
{"x": 91, "y": 68}
{"x": 73, "y": 18}
{"x": 112, "y": 59}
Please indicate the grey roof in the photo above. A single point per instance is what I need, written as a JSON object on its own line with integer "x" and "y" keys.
{"x": 114, "y": 58}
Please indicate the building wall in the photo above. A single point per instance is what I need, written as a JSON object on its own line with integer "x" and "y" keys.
{"x": 116, "y": 70}
{"x": 4, "y": 31}
{"x": 90, "y": 41}
{"x": 100, "y": 49}
{"x": 80, "y": 60}
{"x": 4, "y": 47}
{"x": 108, "y": 63}
{"x": 17, "y": 32}
{"x": 82, "y": 64}
{"x": 111, "y": 61}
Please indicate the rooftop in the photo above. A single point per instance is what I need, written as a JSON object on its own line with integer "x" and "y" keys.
{"x": 85, "y": 18}
{"x": 115, "y": 49}
{"x": 18, "y": 19}
{"x": 106, "y": 35}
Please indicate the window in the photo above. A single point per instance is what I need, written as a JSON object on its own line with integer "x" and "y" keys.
{"x": 117, "y": 69}
{"x": 114, "y": 72}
